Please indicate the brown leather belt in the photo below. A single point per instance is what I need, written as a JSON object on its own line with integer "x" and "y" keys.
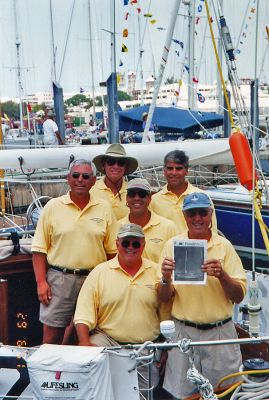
{"x": 75, "y": 271}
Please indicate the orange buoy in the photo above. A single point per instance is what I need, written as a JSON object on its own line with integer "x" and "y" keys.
{"x": 243, "y": 159}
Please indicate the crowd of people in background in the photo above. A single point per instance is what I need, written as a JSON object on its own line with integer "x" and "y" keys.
{"x": 103, "y": 261}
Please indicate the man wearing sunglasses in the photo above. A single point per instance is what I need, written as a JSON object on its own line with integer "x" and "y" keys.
{"x": 157, "y": 229}
{"x": 203, "y": 312}
{"x": 73, "y": 235}
{"x": 168, "y": 201}
{"x": 115, "y": 165}
{"x": 118, "y": 302}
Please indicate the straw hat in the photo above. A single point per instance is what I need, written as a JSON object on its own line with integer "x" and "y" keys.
{"x": 115, "y": 150}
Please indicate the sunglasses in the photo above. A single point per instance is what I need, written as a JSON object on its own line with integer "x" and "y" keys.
{"x": 141, "y": 193}
{"x": 135, "y": 244}
{"x": 203, "y": 212}
{"x": 112, "y": 161}
{"x": 84, "y": 175}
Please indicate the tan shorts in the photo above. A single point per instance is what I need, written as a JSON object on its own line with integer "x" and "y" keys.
{"x": 65, "y": 290}
{"x": 213, "y": 362}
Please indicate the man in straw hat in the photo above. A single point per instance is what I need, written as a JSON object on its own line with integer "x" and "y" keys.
{"x": 114, "y": 164}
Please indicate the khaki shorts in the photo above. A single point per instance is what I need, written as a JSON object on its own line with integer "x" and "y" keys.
{"x": 65, "y": 290}
{"x": 213, "y": 362}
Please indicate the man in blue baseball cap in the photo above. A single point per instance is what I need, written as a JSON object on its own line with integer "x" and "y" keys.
{"x": 202, "y": 312}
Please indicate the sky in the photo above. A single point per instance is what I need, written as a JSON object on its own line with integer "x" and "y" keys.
{"x": 72, "y": 41}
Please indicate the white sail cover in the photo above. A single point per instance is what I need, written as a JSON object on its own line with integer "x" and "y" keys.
{"x": 81, "y": 373}
{"x": 200, "y": 152}
{"x": 70, "y": 372}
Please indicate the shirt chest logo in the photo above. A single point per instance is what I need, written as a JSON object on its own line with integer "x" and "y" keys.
{"x": 155, "y": 240}
{"x": 97, "y": 220}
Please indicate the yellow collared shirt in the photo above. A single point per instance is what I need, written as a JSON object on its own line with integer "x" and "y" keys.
{"x": 207, "y": 303}
{"x": 118, "y": 202}
{"x": 169, "y": 205}
{"x": 75, "y": 238}
{"x": 124, "y": 307}
{"x": 157, "y": 231}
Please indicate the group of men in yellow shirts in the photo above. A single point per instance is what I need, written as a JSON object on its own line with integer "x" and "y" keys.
{"x": 96, "y": 252}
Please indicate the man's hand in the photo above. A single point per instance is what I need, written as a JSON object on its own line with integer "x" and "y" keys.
{"x": 162, "y": 362}
{"x": 213, "y": 267}
{"x": 44, "y": 293}
{"x": 168, "y": 266}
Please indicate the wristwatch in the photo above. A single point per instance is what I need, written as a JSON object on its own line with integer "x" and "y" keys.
{"x": 164, "y": 282}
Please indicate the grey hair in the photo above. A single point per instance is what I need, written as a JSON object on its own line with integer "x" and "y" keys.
{"x": 82, "y": 161}
{"x": 177, "y": 157}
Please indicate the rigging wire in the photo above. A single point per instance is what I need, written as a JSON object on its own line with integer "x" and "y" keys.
{"x": 66, "y": 40}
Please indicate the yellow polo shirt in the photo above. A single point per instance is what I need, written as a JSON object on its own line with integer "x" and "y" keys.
{"x": 169, "y": 205}
{"x": 118, "y": 202}
{"x": 157, "y": 231}
{"x": 124, "y": 307}
{"x": 207, "y": 303}
{"x": 75, "y": 238}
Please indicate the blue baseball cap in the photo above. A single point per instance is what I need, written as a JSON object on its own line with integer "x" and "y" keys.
{"x": 196, "y": 200}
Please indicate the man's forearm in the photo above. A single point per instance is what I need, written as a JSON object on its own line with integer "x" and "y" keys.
{"x": 83, "y": 334}
{"x": 232, "y": 288}
{"x": 40, "y": 267}
{"x": 165, "y": 291}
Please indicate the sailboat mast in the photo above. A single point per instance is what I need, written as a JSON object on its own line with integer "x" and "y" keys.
{"x": 191, "y": 54}
{"x": 53, "y": 45}
{"x": 166, "y": 49}
{"x": 140, "y": 60}
{"x": 91, "y": 60}
{"x": 113, "y": 36}
{"x": 18, "y": 43}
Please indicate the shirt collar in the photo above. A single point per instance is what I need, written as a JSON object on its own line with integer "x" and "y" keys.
{"x": 66, "y": 199}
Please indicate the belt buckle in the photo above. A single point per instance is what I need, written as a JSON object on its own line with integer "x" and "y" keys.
{"x": 76, "y": 271}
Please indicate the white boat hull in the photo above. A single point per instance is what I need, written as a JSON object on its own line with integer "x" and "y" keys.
{"x": 200, "y": 152}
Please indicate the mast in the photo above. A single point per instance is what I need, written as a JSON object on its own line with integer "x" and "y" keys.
{"x": 140, "y": 60}
{"x": 191, "y": 54}
{"x": 53, "y": 46}
{"x": 91, "y": 59}
{"x": 18, "y": 43}
{"x": 166, "y": 49}
{"x": 113, "y": 35}
{"x": 219, "y": 86}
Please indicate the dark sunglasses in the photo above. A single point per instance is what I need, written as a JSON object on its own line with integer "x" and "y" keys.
{"x": 203, "y": 212}
{"x": 126, "y": 243}
{"x": 84, "y": 175}
{"x": 112, "y": 161}
{"x": 141, "y": 193}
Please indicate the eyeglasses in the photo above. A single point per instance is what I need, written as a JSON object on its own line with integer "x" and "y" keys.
{"x": 135, "y": 244}
{"x": 84, "y": 175}
{"x": 112, "y": 161}
{"x": 203, "y": 212}
{"x": 141, "y": 193}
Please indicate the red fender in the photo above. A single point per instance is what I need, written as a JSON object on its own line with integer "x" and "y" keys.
{"x": 243, "y": 159}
